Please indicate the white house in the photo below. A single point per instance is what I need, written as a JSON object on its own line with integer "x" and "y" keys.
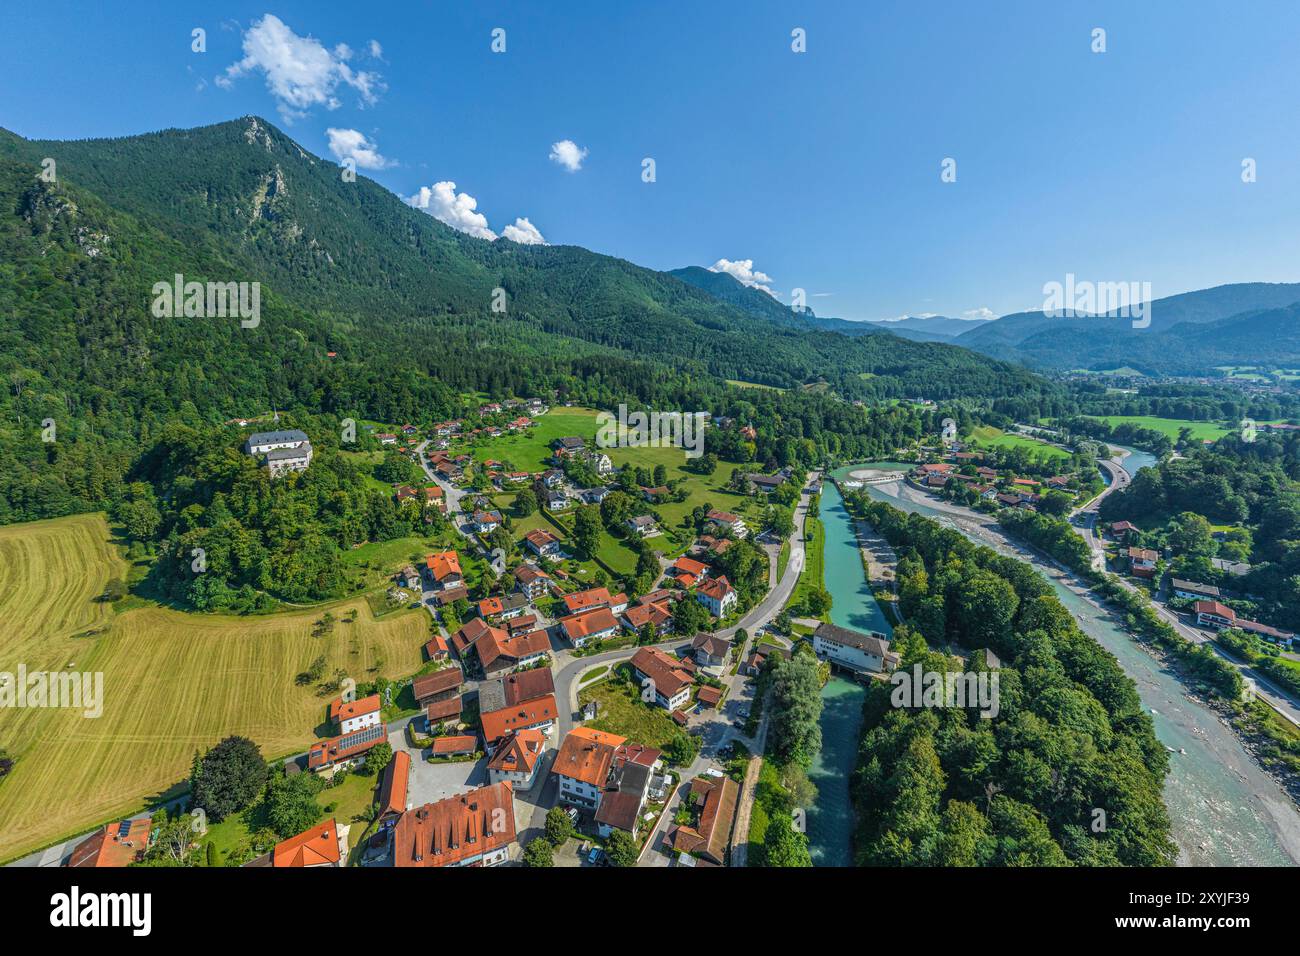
{"x": 717, "y": 595}
{"x": 865, "y": 653}
{"x": 353, "y": 715}
{"x": 726, "y": 521}
{"x": 518, "y": 759}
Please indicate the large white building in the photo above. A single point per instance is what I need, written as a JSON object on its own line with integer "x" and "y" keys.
{"x": 865, "y": 653}
{"x": 285, "y": 451}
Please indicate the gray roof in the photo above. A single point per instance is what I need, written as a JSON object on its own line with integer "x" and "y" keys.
{"x": 283, "y": 454}
{"x": 273, "y": 438}
{"x": 491, "y": 695}
{"x": 1180, "y": 585}
{"x": 874, "y": 644}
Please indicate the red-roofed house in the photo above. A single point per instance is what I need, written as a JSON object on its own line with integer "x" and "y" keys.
{"x": 518, "y": 759}
{"x": 444, "y": 568}
{"x": 352, "y": 715}
{"x": 539, "y": 713}
{"x": 595, "y": 625}
{"x": 690, "y": 569}
{"x": 671, "y": 682}
{"x": 117, "y": 844}
{"x": 718, "y": 596}
{"x": 319, "y": 846}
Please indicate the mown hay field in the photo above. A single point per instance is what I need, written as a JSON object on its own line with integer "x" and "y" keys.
{"x": 173, "y": 682}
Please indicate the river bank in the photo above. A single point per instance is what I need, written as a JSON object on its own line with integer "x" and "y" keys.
{"x": 1226, "y": 809}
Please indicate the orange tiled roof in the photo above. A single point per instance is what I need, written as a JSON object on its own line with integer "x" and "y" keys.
{"x": 592, "y": 597}
{"x": 392, "y": 791}
{"x": 587, "y": 755}
{"x": 443, "y": 564}
{"x": 519, "y": 752}
{"x": 590, "y": 622}
{"x": 318, "y": 846}
{"x": 341, "y": 710}
{"x": 111, "y": 847}
{"x": 449, "y": 831}
{"x": 525, "y": 714}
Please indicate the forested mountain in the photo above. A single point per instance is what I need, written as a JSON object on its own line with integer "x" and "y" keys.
{"x": 354, "y": 252}
{"x": 403, "y": 301}
{"x": 1188, "y": 334}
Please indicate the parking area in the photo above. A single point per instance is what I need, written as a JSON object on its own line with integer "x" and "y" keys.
{"x": 437, "y": 781}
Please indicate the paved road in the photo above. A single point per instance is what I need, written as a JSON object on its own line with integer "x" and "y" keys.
{"x": 1265, "y": 689}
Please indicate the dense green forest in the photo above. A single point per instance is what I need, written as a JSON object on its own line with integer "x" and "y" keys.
{"x": 1068, "y": 771}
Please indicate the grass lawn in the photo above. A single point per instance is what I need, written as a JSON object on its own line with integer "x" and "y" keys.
{"x": 386, "y": 558}
{"x": 173, "y": 682}
{"x": 986, "y": 436}
{"x": 813, "y": 574}
{"x": 622, "y": 712}
{"x": 529, "y": 451}
{"x": 1167, "y": 426}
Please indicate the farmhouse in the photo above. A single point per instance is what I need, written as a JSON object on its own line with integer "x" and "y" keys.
{"x": 472, "y": 829}
{"x": 863, "y": 653}
{"x": 392, "y": 788}
{"x": 591, "y": 598}
{"x": 499, "y": 654}
{"x": 1220, "y": 616}
{"x": 352, "y": 715}
{"x": 345, "y": 749}
{"x": 537, "y": 713}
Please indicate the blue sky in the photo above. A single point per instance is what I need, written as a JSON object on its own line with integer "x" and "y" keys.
{"x": 823, "y": 168}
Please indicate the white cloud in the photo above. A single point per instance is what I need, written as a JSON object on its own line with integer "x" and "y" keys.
{"x": 376, "y": 50}
{"x": 743, "y": 271}
{"x": 300, "y": 72}
{"x": 524, "y": 232}
{"x": 983, "y": 312}
{"x": 352, "y": 144}
{"x": 442, "y": 202}
{"x": 568, "y": 154}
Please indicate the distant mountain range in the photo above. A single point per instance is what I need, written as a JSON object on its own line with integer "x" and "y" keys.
{"x": 1249, "y": 323}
